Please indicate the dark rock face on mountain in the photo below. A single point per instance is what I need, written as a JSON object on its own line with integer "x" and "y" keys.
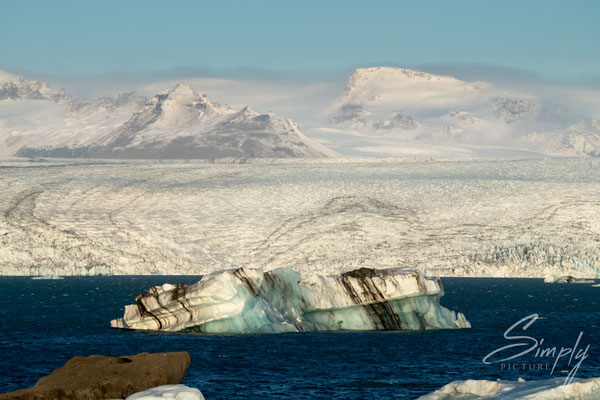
{"x": 101, "y": 377}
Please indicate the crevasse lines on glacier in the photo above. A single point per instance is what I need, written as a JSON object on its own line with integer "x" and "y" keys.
{"x": 83, "y": 193}
{"x": 127, "y": 233}
{"x": 128, "y": 203}
{"x": 128, "y": 197}
{"x": 298, "y": 222}
{"x": 339, "y": 215}
{"x": 22, "y": 207}
{"x": 21, "y": 214}
{"x": 54, "y": 247}
{"x": 550, "y": 214}
{"x": 113, "y": 242}
{"x": 110, "y": 245}
{"x": 452, "y": 217}
{"x": 39, "y": 246}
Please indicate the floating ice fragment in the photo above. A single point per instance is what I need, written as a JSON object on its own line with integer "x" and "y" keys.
{"x": 168, "y": 392}
{"x": 551, "y": 389}
{"x": 248, "y": 300}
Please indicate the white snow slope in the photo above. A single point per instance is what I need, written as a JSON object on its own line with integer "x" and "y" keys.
{"x": 399, "y": 112}
{"x": 525, "y": 218}
{"x": 177, "y": 123}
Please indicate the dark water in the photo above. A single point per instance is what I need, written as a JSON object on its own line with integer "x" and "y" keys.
{"x": 44, "y": 323}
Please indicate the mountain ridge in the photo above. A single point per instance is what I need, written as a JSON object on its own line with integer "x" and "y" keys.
{"x": 381, "y": 111}
{"x": 175, "y": 123}
{"x": 396, "y": 105}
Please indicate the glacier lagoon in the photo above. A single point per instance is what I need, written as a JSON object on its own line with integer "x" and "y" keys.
{"x": 443, "y": 217}
{"x": 58, "y": 319}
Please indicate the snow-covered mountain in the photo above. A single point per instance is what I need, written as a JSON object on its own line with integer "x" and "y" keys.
{"x": 380, "y": 111}
{"x": 405, "y": 106}
{"x": 22, "y": 89}
{"x": 378, "y": 88}
{"x": 177, "y": 123}
{"x": 180, "y": 123}
{"x": 77, "y": 125}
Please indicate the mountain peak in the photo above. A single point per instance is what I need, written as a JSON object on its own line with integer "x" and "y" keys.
{"x": 362, "y": 76}
{"x": 181, "y": 88}
{"x": 22, "y": 89}
{"x": 248, "y": 111}
{"x": 183, "y": 95}
{"x": 390, "y": 89}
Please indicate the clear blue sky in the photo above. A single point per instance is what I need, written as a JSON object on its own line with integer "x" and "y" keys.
{"x": 559, "y": 39}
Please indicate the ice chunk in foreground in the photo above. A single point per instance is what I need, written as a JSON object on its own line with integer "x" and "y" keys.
{"x": 509, "y": 390}
{"x": 248, "y": 300}
{"x": 168, "y": 392}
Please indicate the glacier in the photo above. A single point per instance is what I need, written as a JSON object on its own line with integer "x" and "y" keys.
{"x": 549, "y": 389}
{"x": 247, "y": 300}
{"x": 318, "y": 216}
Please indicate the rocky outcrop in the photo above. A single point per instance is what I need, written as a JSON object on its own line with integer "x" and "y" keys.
{"x": 101, "y": 377}
{"x": 248, "y": 300}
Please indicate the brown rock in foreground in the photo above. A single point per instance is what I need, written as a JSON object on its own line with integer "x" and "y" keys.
{"x": 101, "y": 377}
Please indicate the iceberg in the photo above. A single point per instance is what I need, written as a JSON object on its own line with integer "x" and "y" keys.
{"x": 247, "y": 300}
{"x": 549, "y": 389}
{"x": 47, "y": 277}
{"x": 566, "y": 279}
{"x": 168, "y": 392}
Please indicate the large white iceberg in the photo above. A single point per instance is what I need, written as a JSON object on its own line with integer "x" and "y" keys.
{"x": 550, "y": 389}
{"x": 248, "y": 300}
